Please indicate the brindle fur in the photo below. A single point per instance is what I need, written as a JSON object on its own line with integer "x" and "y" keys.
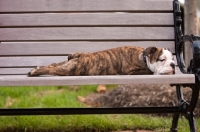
{"x": 127, "y": 60}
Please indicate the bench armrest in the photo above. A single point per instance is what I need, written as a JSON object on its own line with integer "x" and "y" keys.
{"x": 180, "y": 40}
{"x": 194, "y": 66}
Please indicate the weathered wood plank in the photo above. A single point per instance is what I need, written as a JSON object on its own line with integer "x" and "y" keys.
{"x": 23, "y": 80}
{"x": 83, "y": 19}
{"x": 14, "y": 71}
{"x": 61, "y": 48}
{"x": 84, "y": 5}
{"x": 87, "y": 33}
{"x": 30, "y": 61}
{"x": 9, "y": 64}
{"x": 24, "y": 71}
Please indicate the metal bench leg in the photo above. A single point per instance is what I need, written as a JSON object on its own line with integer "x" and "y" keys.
{"x": 177, "y": 115}
{"x": 192, "y": 122}
{"x": 175, "y": 123}
{"x": 190, "y": 110}
{"x": 187, "y": 109}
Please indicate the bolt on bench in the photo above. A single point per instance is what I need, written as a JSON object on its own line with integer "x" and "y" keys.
{"x": 35, "y": 32}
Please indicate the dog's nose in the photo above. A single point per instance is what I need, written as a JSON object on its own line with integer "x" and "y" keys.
{"x": 172, "y": 65}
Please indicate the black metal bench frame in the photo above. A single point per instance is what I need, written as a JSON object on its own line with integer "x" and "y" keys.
{"x": 184, "y": 108}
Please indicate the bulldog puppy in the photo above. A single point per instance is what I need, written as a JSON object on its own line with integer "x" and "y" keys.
{"x": 127, "y": 60}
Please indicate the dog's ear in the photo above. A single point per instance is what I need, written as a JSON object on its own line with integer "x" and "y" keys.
{"x": 149, "y": 51}
{"x": 167, "y": 49}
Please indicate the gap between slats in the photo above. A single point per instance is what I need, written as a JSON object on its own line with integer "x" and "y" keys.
{"x": 82, "y": 12}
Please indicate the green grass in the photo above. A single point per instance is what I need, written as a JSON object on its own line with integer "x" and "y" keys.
{"x": 12, "y": 97}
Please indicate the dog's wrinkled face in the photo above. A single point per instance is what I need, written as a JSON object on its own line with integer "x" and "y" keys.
{"x": 160, "y": 60}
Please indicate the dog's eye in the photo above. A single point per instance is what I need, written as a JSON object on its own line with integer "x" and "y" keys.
{"x": 162, "y": 60}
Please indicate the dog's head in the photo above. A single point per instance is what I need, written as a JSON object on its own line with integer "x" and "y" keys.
{"x": 159, "y": 60}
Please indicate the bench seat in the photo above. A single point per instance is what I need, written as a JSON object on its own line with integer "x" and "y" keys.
{"x": 23, "y": 80}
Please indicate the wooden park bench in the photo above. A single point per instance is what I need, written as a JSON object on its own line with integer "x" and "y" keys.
{"x": 41, "y": 32}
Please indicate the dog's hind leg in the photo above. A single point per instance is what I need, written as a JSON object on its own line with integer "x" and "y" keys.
{"x": 40, "y": 70}
{"x": 60, "y": 69}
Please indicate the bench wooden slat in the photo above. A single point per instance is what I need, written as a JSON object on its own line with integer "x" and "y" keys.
{"x": 14, "y": 71}
{"x": 62, "y": 48}
{"x": 30, "y": 61}
{"x": 84, "y": 5}
{"x": 87, "y": 33}
{"x": 83, "y": 19}
{"x": 23, "y": 80}
{"x": 25, "y": 70}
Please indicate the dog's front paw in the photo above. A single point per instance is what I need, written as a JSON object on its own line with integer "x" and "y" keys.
{"x": 33, "y": 72}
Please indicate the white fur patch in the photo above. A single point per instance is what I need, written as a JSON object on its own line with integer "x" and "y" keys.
{"x": 163, "y": 65}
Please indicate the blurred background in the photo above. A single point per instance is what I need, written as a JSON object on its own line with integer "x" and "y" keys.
{"x": 191, "y": 10}
{"x": 191, "y": 24}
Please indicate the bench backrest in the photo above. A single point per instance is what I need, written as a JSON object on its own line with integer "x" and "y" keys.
{"x": 40, "y": 32}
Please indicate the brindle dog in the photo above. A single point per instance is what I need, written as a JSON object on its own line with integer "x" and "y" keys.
{"x": 127, "y": 60}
